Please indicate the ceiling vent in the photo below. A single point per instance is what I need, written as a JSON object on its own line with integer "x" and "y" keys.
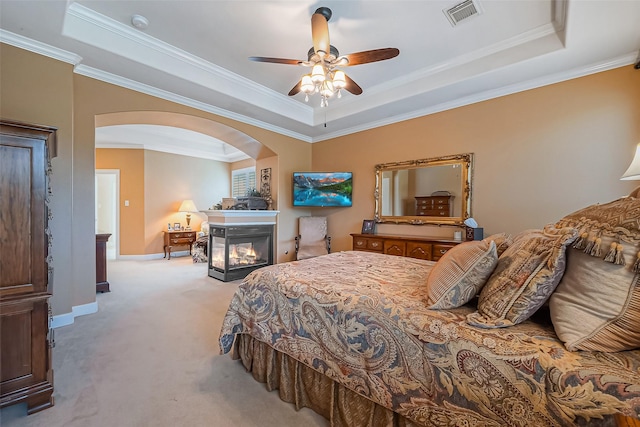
{"x": 462, "y": 11}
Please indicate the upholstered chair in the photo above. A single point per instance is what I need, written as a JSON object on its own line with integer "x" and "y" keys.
{"x": 312, "y": 239}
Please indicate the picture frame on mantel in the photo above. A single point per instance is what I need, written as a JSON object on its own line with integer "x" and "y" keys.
{"x": 368, "y": 226}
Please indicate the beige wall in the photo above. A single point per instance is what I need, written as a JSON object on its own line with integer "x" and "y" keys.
{"x": 539, "y": 154}
{"x": 37, "y": 89}
{"x": 130, "y": 162}
{"x": 170, "y": 179}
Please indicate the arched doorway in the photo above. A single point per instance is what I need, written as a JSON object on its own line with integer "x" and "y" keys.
{"x": 150, "y": 200}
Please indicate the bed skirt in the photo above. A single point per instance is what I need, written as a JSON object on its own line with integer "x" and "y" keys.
{"x": 304, "y": 387}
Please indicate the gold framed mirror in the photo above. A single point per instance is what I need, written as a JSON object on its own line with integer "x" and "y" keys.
{"x": 425, "y": 191}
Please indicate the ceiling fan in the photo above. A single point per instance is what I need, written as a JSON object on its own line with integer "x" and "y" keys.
{"x": 324, "y": 59}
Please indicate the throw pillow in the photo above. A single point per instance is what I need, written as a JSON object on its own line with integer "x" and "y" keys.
{"x": 502, "y": 241}
{"x": 596, "y": 306}
{"x": 460, "y": 274}
{"x": 527, "y": 273}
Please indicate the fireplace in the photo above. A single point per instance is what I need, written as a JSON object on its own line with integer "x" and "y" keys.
{"x": 236, "y": 250}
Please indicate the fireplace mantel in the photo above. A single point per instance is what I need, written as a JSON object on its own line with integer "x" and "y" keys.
{"x": 240, "y": 217}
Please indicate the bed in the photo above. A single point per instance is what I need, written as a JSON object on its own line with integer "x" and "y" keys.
{"x": 349, "y": 335}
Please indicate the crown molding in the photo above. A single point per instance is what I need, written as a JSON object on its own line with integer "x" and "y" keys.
{"x": 618, "y": 62}
{"x": 34, "y": 46}
{"x": 88, "y": 26}
{"x": 71, "y": 58}
{"x": 106, "y": 77}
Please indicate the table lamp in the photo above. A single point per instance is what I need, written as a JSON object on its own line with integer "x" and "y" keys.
{"x": 188, "y": 206}
{"x": 633, "y": 172}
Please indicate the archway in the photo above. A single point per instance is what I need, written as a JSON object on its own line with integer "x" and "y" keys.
{"x": 160, "y": 194}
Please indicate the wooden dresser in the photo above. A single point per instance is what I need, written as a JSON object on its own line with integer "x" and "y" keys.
{"x": 428, "y": 248}
{"x": 178, "y": 238}
{"x": 434, "y": 206}
{"x": 25, "y": 350}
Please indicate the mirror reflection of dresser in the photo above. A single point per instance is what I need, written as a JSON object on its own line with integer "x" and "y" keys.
{"x": 425, "y": 191}
{"x": 439, "y": 205}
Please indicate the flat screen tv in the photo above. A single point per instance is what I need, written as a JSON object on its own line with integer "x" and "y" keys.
{"x": 324, "y": 189}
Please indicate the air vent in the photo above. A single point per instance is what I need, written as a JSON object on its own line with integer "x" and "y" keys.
{"x": 462, "y": 11}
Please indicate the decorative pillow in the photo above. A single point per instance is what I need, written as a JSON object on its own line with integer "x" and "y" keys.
{"x": 597, "y": 303}
{"x": 527, "y": 273}
{"x": 204, "y": 228}
{"x": 502, "y": 240}
{"x": 460, "y": 274}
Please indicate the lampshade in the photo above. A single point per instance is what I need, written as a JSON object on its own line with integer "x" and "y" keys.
{"x": 633, "y": 172}
{"x": 317, "y": 73}
{"x": 307, "y": 85}
{"x": 327, "y": 89}
{"x": 339, "y": 80}
{"x": 188, "y": 206}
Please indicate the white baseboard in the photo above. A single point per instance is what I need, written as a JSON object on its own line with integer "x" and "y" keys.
{"x": 68, "y": 318}
{"x": 148, "y": 257}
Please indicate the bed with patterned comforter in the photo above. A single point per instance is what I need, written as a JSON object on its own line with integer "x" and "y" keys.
{"x": 360, "y": 319}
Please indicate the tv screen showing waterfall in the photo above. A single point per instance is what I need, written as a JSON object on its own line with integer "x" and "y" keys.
{"x": 322, "y": 189}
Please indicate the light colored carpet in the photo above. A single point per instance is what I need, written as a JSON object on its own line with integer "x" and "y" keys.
{"x": 150, "y": 357}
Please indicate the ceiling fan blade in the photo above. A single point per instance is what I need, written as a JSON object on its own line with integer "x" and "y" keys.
{"x": 372, "y": 56}
{"x": 295, "y": 89}
{"x": 275, "y": 60}
{"x": 352, "y": 86}
{"x": 320, "y": 32}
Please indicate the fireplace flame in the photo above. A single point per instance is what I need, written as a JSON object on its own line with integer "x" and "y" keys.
{"x": 234, "y": 252}
{"x": 251, "y": 253}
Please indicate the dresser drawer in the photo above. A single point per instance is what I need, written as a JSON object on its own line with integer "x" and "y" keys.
{"x": 359, "y": 243}
{"x": 440, "y": 200}
{"x": 395, "y": 247}
{"x": 367, "y": 244}
{"x": 434, "y": 212}
{"x": 440, "y": 249}
{"x": 181, "y": 241}
{"x": 419, "y": 250}
{"x": 374, "y": 244}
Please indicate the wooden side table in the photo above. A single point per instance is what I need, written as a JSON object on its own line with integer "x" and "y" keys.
{"x": 101, "y": 263}
{"x": 177, "y": 238}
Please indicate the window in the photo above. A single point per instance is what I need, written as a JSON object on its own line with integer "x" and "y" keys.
{"x": 242, "y": 180}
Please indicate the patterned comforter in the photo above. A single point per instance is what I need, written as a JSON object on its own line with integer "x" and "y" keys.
{"x": 360, "y": 319}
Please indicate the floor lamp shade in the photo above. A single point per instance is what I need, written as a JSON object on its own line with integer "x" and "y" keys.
{"x": 633, "y": 172}
{"x": 188, "y": 206}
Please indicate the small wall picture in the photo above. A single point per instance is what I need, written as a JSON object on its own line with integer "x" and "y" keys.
{"x": 368, "y": 226}
{"x": 176, "y": 226}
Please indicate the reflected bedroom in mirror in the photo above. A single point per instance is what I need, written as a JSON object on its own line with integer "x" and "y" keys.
{"x": 425, "y": 191}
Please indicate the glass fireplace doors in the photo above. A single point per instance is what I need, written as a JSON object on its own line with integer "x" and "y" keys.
{"x": 237, "y": 250}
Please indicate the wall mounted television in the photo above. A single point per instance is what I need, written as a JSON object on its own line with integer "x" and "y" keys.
{"x": 322, "y": 189}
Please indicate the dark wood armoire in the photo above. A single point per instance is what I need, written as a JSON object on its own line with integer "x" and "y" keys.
{"x": 26, "y": 374}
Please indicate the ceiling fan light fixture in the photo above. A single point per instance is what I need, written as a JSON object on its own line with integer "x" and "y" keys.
{"x": 327, "y": 90}
{"x": 317, "y": 74}
{"x": 339, "y": 80}
{"x": 323, "y": 58}
{"x": 307, "y": 85}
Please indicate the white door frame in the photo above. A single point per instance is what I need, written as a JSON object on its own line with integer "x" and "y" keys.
{"x": 116, "y": 236}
